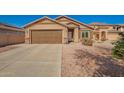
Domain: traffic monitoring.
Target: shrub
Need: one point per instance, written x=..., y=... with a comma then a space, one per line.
x=87, y=41
x=118, y=50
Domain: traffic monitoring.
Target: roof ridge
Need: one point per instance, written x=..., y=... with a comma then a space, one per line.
x=74, y=20
x=99, y=23
x=41, y=19
x=9, y=25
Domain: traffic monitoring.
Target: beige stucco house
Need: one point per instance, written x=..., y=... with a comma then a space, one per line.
x=64, y=30
x=103, y=32
x=61, y=30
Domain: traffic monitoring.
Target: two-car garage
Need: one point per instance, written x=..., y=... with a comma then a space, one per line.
x=45, y=31
x=46, y=36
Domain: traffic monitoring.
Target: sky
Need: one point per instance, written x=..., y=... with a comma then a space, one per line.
x=21, y=20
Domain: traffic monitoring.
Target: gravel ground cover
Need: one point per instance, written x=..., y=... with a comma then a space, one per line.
x=90, y=61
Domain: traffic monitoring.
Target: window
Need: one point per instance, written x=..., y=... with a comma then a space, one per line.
x=85, y=34
x=82, y=34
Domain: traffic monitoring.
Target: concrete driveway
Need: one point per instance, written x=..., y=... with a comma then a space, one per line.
x=32, y=60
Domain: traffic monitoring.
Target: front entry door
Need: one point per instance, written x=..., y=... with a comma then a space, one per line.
x=70, y=35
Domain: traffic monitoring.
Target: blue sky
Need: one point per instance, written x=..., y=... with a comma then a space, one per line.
x=21, y=20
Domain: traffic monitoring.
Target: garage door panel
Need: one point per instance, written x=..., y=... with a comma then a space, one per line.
x=47, y=37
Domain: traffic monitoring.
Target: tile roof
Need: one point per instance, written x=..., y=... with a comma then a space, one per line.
x=7, y=26
x=99, y=23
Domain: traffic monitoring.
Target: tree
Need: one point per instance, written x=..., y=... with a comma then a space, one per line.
x=118, y=50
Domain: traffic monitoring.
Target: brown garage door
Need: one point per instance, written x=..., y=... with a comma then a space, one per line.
x=46, y=37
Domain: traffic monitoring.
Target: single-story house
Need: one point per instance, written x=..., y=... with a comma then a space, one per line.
x=61, y=30
x=11, y=35
x=64, y=29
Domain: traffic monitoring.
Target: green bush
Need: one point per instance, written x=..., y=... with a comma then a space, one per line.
x=118, y=50
x=87, y=41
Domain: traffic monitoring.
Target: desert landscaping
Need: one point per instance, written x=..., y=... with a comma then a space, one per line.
x=93, y=61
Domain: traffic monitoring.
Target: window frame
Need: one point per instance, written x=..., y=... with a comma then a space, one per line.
x=85, y=34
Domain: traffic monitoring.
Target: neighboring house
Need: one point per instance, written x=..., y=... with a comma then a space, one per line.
x=11, y=35
x=121, y=27
x=61, y=30
x=106, y=31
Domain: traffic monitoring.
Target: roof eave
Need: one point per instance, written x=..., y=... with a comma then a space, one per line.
x=75, y=21
x=41, y=19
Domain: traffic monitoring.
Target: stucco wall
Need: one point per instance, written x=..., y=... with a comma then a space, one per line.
x=45, y=25
x=8, y=37
x=77, y=32
x=112, y=36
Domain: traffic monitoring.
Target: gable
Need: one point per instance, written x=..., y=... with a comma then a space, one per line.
x=44, y=20
x=65, y=20
x=71, y=25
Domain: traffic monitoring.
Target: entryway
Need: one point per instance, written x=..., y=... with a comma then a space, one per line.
x=103, y=35
x=70, y=35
